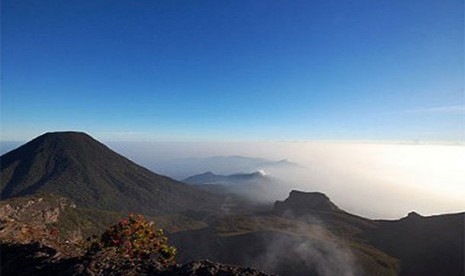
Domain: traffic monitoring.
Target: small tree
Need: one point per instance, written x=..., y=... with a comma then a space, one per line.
x=138, y=239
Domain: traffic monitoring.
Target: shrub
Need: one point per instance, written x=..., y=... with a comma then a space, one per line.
x=137, y=238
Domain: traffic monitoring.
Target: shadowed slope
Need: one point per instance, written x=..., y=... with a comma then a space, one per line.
x=432, y=245
x=75, y=165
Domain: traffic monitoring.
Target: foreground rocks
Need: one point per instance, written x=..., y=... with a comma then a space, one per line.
x=37, y=259
x=32, y=220
x=30, y=244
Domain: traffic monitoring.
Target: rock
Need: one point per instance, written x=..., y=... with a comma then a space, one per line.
x=28, y=220
x=302, y=203
x=37, y=259
x=30, y=259
x=207, y=268
x=34, y=210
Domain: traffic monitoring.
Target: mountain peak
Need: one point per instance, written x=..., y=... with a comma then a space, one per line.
x=413, y=216
x=301, y=203
x=75, y=165
x=56, y=141
x=209, y=173
x=64, y=135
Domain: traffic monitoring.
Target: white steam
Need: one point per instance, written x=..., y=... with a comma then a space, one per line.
x=307, y=249
x=262, y=172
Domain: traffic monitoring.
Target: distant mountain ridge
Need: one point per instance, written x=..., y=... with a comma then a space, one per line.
x=256, y=186
x=75, y=165
x=222, y=165
x=211, y=178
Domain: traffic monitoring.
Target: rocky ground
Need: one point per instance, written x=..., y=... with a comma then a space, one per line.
x=31, y=245
x=37, y=259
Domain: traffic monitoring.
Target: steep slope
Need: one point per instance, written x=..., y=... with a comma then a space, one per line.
x=431, y=245
x=78, y=167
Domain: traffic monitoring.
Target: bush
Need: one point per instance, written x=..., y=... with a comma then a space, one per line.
x=137, y=238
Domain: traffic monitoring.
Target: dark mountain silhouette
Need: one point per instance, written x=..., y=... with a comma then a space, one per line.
x=78, y=167
x=301, y=203
x=432, y=245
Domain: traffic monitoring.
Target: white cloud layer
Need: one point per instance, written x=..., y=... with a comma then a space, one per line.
x=370, y=179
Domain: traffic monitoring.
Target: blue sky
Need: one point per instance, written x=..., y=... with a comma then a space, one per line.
x=234, y=70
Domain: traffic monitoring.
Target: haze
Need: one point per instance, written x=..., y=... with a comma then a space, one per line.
x=371, y=179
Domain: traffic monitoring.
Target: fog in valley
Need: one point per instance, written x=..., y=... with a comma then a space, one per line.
x=370, y=179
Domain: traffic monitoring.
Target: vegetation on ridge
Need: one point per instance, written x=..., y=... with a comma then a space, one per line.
x=136, y=238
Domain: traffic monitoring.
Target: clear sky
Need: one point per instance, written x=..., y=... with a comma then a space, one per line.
x=231, y=69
